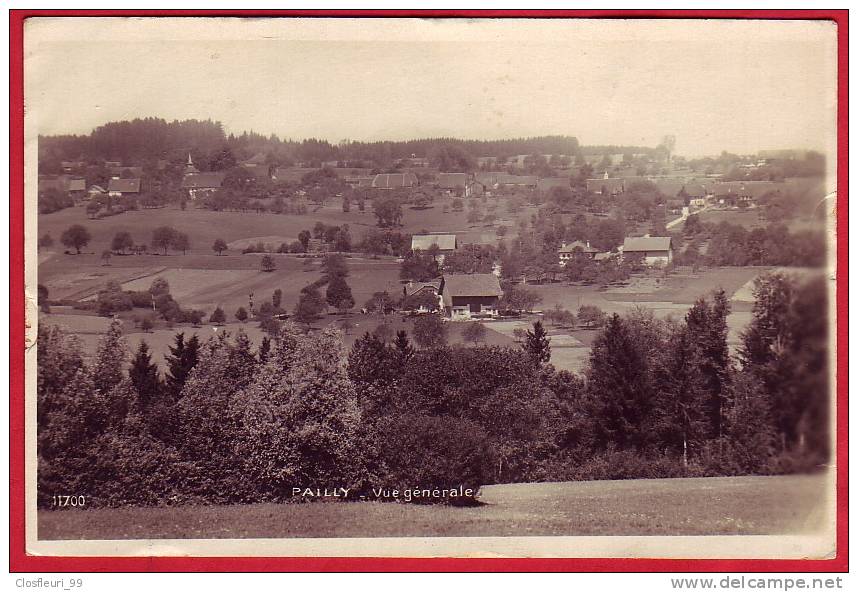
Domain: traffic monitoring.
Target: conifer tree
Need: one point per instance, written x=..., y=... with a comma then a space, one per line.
x=264, y=350
x=537, y=344
x=144, y=376
x=681, y=395
x=110, y=356
x=619, y=385
x=707, y=325
x=182, y=359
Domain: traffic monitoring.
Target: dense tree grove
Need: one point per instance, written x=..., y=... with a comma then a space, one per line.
x=227, y=424
x=147, y=140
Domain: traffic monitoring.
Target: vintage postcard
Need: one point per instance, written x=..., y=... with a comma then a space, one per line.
x=431, y=287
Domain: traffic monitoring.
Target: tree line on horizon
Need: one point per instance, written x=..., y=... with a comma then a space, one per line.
x=146, y=140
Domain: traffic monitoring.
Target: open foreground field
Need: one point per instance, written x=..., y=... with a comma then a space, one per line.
x=707, y=506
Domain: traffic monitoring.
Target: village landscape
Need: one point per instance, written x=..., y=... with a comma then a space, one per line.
x=489, y=313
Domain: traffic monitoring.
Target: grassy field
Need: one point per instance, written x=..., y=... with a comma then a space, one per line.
x=710, y=506
x=202, y=280
x=89, y=330
x=204, y=226
x=753, y=218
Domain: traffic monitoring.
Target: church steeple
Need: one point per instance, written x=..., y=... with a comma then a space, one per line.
x=190, y=169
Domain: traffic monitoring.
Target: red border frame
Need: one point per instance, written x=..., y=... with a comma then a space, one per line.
x=20, y=561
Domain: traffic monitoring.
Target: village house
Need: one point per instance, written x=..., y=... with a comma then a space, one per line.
x=675, y=206
x=453, y=183
x=356, y=182
x=568, y=250
x=257, y=166
x=388, y=181
x=77, y=189
x=654, y=251
x=446, y=244
x=743, y=192
x=697, y=194
x=95, y=191
x=120, y=187
x=412, y=289
x=70, y=166
x=199, y=185
x=606, y=186
x=465, y=296
x=499, y=180
x=476, y=189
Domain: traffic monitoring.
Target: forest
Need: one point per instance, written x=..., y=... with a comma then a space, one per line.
x=142, y=141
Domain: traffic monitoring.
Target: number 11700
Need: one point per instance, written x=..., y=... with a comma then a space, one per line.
x=66, y=501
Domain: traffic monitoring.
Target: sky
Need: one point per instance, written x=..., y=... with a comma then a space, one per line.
x=715, y=85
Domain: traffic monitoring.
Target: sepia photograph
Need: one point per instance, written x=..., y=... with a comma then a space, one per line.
x=431, y=287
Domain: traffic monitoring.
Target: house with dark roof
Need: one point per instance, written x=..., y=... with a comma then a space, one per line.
x=387, y=181
x=199, y=185
x=120, y=187
x=654, y=251
x=569, y=250
x=257, y=169
x=453, y=183
x=466, y=296
x=76, y=188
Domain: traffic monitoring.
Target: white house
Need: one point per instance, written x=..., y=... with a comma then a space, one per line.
x=568, y=250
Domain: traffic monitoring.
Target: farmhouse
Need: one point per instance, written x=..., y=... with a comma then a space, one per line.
x=465, y=296
x=568, y=250
x=446, y=244
x=388, y=181
x=653, y=250
x=452, y=182
x=77, y=188
x=610, y=186
x=736, y=192
x=120, y=187
x=413, y=289
x=201, y=184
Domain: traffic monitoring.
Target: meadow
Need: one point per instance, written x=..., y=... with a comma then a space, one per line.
x=700, y=506
x=202, y=280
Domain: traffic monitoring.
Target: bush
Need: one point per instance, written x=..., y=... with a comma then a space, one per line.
x=424, y=451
